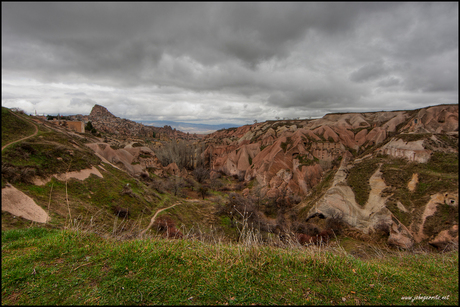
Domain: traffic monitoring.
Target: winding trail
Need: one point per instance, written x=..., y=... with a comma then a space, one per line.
x=153, y=219
x=34, y=134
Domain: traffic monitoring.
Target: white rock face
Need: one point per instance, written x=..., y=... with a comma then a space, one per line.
x=412, y=151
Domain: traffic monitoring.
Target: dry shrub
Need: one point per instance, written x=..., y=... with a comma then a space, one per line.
x=120, y=212
x=145, y=176
x=200, y=174
x=158, y=185
x=311, y=230
x=18, y=174
x=335, y=224
x=321, y=238
x=127, y=191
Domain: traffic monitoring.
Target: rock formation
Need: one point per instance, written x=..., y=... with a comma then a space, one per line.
x=105, y=121
x=292, y=156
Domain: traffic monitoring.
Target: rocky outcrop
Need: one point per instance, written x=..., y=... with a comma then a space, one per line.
x=105, y=121
x=436, y=119
x=339, y=201
x=412, y=151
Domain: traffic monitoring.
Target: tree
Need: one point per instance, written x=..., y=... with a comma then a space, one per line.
x=184, y=154
x=176, y=185
x=89, y=127
x=203, y=190
x=200, y=174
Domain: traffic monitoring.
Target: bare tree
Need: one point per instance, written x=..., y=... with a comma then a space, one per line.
x=184, y=154
x=200, y=174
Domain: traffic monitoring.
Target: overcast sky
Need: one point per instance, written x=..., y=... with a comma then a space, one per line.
x=228, y=62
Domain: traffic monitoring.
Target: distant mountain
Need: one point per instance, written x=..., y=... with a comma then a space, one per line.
x=188, y=127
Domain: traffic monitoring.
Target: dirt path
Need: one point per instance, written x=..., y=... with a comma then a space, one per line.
x=34, y=134
x=153, y=219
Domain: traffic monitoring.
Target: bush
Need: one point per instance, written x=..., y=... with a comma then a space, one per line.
x=89, y=128
x=335, y=224
x=203, y=190
x=15, y=174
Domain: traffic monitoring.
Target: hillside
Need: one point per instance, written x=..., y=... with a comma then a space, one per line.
x=391, y=171
x=380, y=177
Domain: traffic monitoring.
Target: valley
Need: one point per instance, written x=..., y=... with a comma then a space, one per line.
x=362, y=184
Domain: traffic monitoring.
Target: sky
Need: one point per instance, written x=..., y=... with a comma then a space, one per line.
x=214, y=63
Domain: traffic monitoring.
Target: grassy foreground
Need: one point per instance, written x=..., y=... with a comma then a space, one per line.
x=55, y=267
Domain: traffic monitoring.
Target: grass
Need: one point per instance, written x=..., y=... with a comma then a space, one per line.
x=13, y=127
x=438, y=175
x=358, y=179
x=51, y=267
x=412, y=137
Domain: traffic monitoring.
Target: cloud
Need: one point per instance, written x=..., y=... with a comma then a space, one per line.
x=368, y=72
x=207, y=61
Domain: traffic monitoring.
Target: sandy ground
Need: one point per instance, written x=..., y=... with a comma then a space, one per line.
x=19, y=204
x=413, y=183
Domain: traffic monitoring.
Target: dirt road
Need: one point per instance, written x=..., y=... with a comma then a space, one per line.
x=153, y=219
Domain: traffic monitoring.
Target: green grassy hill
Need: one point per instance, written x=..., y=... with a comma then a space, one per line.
x=92, y=202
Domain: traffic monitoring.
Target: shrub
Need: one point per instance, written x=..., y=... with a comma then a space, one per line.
x=335, y=224
x=203, y=190
x=120, y=212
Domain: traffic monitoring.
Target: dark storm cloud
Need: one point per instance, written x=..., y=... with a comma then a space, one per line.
x=272, y=57
x=368, y=72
